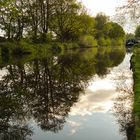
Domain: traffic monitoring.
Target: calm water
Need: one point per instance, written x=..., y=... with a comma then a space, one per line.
x=78, y=95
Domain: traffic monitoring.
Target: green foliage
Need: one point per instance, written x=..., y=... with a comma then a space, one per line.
x=101, y=41
x=117, y=42
x=64, y=21
x=88, y=41
x=101, y=20
x=135, y=64
x=108, y=33
x=137, y=32
x=70, y=45
x=137, y=45
x=104, y=42
x=130, y=36
x=108, y=42
x=20, y=51
x=115, y=31
x=87, y=24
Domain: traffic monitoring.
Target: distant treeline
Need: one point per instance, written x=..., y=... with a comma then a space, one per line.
x=60, y=20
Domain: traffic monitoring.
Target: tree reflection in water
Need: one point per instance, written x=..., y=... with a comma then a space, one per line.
x=14, y=132
x=45, y=89
x=123, y=106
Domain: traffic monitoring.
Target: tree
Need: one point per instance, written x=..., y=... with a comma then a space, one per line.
x=129, y=14
x=13, y=17
x=87, y=24
x=40, y=13
x=64, y=20
x=101, y=21
x=108, y=33
x=137, y=32
x=67, y=20
x=130, y=36
x=7, y=17
x=115, y=30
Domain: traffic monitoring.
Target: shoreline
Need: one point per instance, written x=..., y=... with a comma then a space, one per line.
x=135, y=66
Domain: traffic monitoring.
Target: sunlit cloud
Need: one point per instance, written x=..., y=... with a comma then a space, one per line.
x=94, y=101
x=99, y=83
x=74, y=127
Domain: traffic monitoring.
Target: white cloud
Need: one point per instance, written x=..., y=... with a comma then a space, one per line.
x=74, y=127
x=106, y=6
x=94, y=101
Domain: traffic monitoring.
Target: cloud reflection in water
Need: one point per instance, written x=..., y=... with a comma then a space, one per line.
x=98, y=98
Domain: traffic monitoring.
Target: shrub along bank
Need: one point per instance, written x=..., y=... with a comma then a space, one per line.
x=135, y=64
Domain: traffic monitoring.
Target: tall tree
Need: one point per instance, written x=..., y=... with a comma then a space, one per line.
x=129, y=13
x=64, y=21
x=13, y=17
x=101, y=20
x=7, y=17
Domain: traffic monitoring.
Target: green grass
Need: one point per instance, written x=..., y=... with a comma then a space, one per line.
x=136, y=74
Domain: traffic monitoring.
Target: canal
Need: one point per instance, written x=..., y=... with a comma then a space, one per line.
x=77, y=95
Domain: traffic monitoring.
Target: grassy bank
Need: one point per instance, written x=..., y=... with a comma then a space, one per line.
x=28, y=47
x=135, y=62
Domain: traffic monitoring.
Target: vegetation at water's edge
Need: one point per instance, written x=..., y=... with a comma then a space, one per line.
x=135, y=63
x=50, y=21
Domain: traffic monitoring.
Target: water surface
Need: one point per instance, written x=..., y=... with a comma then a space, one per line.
x=75, y=95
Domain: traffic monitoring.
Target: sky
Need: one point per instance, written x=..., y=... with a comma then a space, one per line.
x=106, y=6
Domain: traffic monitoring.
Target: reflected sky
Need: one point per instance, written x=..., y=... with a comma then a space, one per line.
x=98, y=126
x=2, y=73
x=91, y=117
x=101, y=91
x=98, y=101
x=67, y=99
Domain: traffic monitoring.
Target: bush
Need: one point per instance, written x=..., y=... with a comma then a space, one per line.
x=88, y=41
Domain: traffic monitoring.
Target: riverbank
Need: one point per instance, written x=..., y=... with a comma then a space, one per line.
x=24, y=47
x=27, y=47
x=135, y=63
